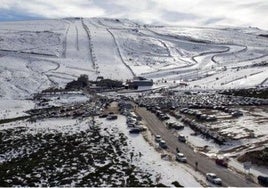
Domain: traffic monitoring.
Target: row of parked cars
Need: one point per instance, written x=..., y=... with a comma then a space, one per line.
x=157, y=111
x=134, y=123
x=109, y=116
x=174, y=125
x=199, y=115
x=161, y=142
x=201, y=128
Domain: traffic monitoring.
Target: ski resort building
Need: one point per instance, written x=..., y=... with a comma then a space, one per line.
x=139, y=82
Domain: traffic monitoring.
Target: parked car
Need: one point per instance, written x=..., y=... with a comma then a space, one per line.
x=178, y=127
x=263, y=180
x=163, y=144
x=180, y=157
x=131, y=125
x=103, y=115
x=165, y=117
x=157, y=138
x=213, y=178
x=174, y=125
x=181, y=138
x=134, y=131
x=142, y=128
x=111, y=117
x=222, y=162
x=237, y=113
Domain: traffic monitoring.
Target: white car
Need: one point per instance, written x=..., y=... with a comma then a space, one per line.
x=158, y=138
x=213, y=178
x=180, y=157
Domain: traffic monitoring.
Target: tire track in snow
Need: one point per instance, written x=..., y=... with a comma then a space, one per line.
x=65, y=39
x=64, y=74
x=78, y=45
x=77, y=42
x=119, y=53
x=216, y=53
x=226, y=53
x=90, y=45
x=193, y=58
x=167, y=48
x=53, y=69
x=169, y=51
x=242, y=77
x=71, y=41
x=173, y=56
x=204, y=54
x=31, y=60
x=263, y=82
x=81, y=69
x=61, y=77
x=16, y=53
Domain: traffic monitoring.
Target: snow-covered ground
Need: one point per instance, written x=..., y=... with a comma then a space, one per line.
x=149, y=161
x=65, y=98
x=54, y=52
x=14, y=108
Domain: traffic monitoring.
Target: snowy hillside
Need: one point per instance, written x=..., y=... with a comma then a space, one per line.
x=108, y=135
x=35, y=55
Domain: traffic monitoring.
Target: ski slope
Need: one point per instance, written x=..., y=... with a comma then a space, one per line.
x=35, y=55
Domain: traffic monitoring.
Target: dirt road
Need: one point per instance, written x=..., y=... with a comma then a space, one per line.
x=205, y=164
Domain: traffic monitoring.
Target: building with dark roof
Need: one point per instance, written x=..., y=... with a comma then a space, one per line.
x=139, y=82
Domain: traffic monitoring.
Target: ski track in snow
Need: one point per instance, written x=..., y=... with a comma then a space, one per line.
x=98, y=46
x=106, y=54
x=228, y=48
x=76, y=49
x=119, y=53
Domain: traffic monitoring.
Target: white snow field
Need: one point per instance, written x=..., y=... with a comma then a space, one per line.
x=35, y=55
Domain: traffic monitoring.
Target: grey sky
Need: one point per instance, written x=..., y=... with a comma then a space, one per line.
x=176, y=12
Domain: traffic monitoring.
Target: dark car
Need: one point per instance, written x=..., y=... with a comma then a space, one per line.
x=178, y=127
x=263, y=180
x=135, y=131
x=111, y=117
x=222, y=162
x=182, y=138
x=163, y=144
x=103, y=115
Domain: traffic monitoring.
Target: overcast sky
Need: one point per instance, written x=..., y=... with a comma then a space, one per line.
x=176, y=12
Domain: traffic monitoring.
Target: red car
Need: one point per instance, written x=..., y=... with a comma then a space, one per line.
x=222, y=162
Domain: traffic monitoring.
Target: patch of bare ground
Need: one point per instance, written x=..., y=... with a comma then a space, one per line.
x=258, y=157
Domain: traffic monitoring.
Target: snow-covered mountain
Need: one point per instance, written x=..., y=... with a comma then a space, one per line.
x=63, y=138
x=35, y=55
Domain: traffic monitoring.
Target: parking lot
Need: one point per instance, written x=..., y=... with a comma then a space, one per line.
x=205, y=165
